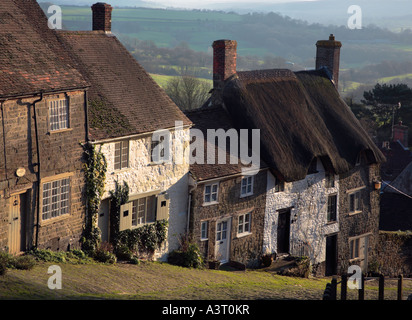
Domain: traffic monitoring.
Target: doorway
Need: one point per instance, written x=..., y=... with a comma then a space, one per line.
x=283, y=231
x=331, y=255
x=17, y=223
x=222, y=240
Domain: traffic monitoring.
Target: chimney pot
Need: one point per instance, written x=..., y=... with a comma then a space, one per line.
x=328, y=55
x=102, y=17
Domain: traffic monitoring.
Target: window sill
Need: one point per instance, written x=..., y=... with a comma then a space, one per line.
x=331, y=222
x=246, y=195
x=206, y=204
x=242, y=235
x=204, y=239
x=121, y=170
x=353, y=213
x=44, y=223
x=60, y=131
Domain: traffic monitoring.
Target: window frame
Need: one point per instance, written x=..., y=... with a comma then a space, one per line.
x=330, y=180
x=51, y=180
x=211, y=185
x=135, y=210
x=241, y=227
x=251, y=184
x=332, y=216
x=51, y=122
x=118, y=165
x=279, y=185
x=204, y=232
x=357, y=201
x=355, y=247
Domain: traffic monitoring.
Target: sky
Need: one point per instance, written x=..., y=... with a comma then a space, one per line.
x=200, y=3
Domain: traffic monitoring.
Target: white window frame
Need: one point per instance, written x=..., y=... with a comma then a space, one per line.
x=56, y=197
x=244, y=227
x=355, y=253
x=211, y=193
x=336, y=208
x=59, y=114
x=249, y=181
x=204, y=230
x=119, y=165
x=357, y=201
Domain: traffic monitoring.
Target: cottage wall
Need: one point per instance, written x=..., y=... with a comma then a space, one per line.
x=365, y=222
x=60, y=154
x=244, y=249
x=142, y=176
x=308, y=200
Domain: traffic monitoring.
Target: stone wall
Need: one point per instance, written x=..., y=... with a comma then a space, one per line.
x=245, y=249
x=365, y=222
x=307, y=199
x=142, y=176
x=60, y=153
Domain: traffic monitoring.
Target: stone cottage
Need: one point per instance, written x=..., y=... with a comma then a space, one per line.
x=43, y=119
x=320, y=197
x=129, y=115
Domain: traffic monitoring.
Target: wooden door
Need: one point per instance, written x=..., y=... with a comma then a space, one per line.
x=222, y=240
x=16, y=224
x=283, y=231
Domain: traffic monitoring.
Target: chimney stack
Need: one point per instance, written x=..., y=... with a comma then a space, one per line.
x=224, y=60
x=102, y=17
x=328, y=55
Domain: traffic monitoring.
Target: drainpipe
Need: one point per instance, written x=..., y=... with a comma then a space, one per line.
x=192, y=187
x=4, y=140
x=38, y=166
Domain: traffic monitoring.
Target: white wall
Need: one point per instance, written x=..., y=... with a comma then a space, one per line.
x=309, y=197
x=143, y=176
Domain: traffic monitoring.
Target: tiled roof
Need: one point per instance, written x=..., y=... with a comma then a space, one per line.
x=31, y=57
x=124, y=99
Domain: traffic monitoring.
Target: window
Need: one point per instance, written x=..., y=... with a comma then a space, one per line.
x=144, y=210
x=313, y=166
x=244, y=224
x=247, y=186
x=279, y=186
x=358, y=159
x=332, y=208
x=355, y=202
x=56, y=198
x=204, y=230
x=121, y=155
x=330, y=180
x=358, y=247
x=58, y=114
x=160, y=153
x=211, y=191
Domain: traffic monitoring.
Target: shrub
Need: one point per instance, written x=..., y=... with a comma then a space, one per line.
x=124, y=253
x=188, y=255
x=48, y=255
x=25, y=262
x=4, y=261
x=134, y=260
x=104, y=253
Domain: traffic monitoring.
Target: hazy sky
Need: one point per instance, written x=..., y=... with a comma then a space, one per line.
x=199, y=3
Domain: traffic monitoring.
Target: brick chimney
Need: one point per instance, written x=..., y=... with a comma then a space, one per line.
x=224, y=60
x=328, y=55
x=400, y=132
x=102, y=17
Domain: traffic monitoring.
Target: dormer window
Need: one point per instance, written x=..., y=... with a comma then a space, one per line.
x=358, y=159
x=313, y=166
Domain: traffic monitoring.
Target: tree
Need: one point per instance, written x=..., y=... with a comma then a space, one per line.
x=188, y=92
x=385, y=99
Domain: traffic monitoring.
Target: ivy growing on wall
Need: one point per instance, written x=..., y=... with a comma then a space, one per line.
x=95, y=167
x=146, y=239
x=119, y=196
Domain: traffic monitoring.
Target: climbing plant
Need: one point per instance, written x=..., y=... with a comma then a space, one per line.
x=119, y=196
x=95, y=167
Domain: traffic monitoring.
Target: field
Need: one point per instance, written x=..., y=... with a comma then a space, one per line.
x=166, y=28
x=162, y=281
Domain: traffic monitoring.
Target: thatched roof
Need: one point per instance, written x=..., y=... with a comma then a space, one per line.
x=300, y=116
